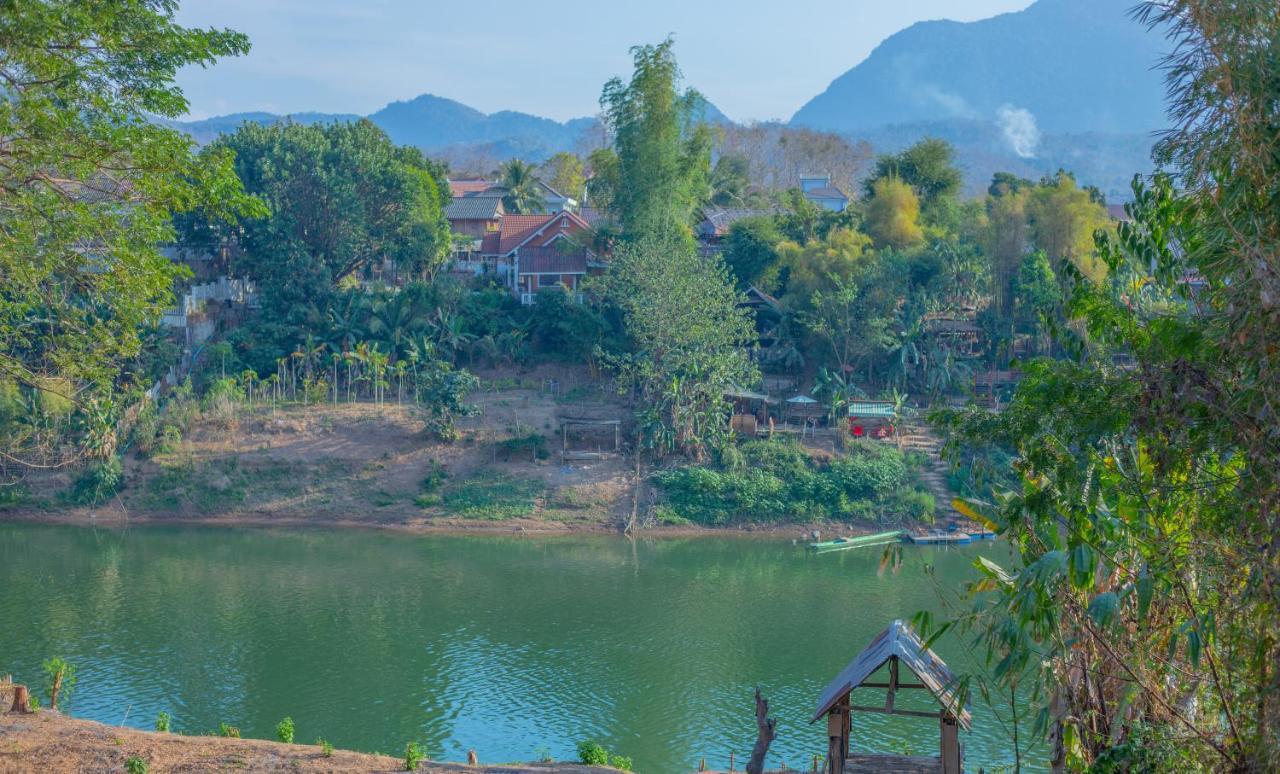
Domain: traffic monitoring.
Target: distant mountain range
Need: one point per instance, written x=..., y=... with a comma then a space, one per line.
x=1072, y=65
x=436, y=124
x=1064, y=83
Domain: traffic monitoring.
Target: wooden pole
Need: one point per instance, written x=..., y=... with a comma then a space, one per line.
x=472, y=760
x=731, y=760
x=950, y=744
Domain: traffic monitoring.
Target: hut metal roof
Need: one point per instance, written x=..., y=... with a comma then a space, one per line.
x=897, y=640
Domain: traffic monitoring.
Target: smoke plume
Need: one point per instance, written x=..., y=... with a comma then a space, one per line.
x=1019, y=128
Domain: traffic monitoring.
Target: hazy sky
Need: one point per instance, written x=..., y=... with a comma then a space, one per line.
x=754, y=59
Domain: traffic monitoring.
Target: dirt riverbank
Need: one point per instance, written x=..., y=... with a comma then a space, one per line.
x=50, y=742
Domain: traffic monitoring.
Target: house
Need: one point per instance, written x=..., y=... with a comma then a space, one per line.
x=474, y=215
x=539, y=252
x=819, y=190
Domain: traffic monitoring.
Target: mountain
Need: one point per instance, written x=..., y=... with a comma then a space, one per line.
x=436, y=124
x=1059, y=66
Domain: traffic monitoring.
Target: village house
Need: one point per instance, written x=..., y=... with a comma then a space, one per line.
x=532, y=253
x=819, y=190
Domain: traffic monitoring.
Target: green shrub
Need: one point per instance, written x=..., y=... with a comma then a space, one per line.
x=162, y=722
x=326, y=749
x=412, y=756
x=776, y=480
x=592, y=753
x=98, y=482
x=532, y=446
x=231, y=732
x=435, y=477
x=60, y=682
x=136, y=764
x=916, y=505
x=284, y=730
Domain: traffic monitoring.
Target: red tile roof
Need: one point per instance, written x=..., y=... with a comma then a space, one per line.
x=552, y=260
x=534, y=231
x=461, y=188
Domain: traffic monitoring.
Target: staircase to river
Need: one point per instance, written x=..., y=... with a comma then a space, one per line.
x=917, y=436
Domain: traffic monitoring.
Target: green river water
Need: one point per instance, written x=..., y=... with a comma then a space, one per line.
x=514, y=646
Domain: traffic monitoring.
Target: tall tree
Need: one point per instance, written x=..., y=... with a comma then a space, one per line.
x=524, y=195
x=88, y=181
x=928, y=167
x=664, y=156
x=893, y=214
x=689, y=338
x=564, y=172
x=342, y=198
x=1063, y=219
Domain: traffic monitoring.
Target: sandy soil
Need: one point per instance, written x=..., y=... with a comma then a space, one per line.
x=50, y=742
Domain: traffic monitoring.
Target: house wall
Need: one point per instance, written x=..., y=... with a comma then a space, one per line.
x=475, y=228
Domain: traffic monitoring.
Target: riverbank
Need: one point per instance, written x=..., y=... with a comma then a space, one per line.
x=371, y=466
x=49, y=741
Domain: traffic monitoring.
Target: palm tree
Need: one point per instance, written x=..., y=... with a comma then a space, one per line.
x=524, y=193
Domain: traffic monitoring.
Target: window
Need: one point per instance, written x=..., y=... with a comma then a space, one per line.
x=548, y=280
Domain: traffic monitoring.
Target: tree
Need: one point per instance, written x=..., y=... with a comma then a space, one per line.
x=928, y=167
x=731, y=182
x=751, y=250
x=1063, y=219
x=602, y=186
x=893, y=214
x=1037, y=295
x=817, y=264
x=342, y=199
x=663, y=155
x=1005, y=242
x=563, y=172
x=88, y=182
x=688, y=342
x=524, y=195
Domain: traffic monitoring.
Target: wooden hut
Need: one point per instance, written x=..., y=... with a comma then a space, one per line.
x=896, y=646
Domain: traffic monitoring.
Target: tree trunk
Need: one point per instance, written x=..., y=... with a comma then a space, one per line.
x=766, y=731
x=21, y=702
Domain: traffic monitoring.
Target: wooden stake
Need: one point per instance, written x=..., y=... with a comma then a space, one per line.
x=472, y=760
x=731, y=761
x=21, y=702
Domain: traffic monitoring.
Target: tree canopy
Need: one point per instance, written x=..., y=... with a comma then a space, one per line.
x=663, y=154
x=88, y=182
x=341, y=198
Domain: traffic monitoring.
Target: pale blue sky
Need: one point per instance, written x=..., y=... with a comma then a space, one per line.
x=755, y=59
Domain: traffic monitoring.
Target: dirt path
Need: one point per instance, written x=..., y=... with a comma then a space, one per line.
x=50, y=742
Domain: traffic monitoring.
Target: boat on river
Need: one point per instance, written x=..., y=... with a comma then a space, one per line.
x=859, y=541
x=938, y=537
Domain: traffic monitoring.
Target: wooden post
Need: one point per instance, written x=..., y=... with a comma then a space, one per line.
x=731, y=760
x=472, y=760
x=950, y=744
x=838, y=726
x=893, y=685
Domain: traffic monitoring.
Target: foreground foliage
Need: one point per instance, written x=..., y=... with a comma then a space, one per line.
x=1145, y=497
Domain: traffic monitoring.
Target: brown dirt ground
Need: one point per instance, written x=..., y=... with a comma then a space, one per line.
x=49, y=742
x=363, y=465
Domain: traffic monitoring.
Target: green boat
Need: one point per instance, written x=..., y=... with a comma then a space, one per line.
x=861, y=541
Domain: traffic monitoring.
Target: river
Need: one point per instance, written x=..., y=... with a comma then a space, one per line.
x=516, y=647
